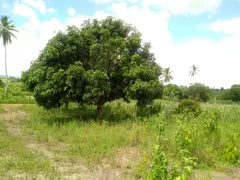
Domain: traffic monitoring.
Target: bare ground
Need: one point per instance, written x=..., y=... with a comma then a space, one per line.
x=227, y=174
x=119, y=168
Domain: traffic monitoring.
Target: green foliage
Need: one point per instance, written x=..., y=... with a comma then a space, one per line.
x=100, y=62
x=119, y=110
x=187, y=106
x=172, y=92
x=183, y=136
x=183, y=168
x=16, y=93
x=149, y=110
x=233, y=93
x=231, y=151
x=159, y=167
x=1, y=83
x=211, y=124
x=198, y=92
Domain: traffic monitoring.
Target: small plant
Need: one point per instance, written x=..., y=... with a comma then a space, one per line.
x=183, y=136
x=187, y=106
x=182, y=169
x=211, y=124
x=159, y=167
x=231, y=151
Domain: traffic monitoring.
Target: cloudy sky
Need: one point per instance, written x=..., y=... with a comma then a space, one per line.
x=205, y=33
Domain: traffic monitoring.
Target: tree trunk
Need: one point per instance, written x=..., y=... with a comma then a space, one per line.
x=6, y=88
x=99, y=111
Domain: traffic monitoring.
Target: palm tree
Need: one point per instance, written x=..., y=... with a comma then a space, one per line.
x=167, y=77
x=6, y=33
x=193, y=71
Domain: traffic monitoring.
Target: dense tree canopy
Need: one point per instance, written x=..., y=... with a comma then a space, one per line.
x=197, y=91
x=102, y=61
x=233, y=93
x=172, y=92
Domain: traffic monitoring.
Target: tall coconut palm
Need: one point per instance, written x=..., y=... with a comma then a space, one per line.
x=167, y=77
x=193, y=71
x=6, y=33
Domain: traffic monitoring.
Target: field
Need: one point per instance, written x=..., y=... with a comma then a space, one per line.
x=127, y=144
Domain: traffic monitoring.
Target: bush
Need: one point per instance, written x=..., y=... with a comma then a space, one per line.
x=198, y=92
x=172, y=92
x=233, y=93
x=187, y=106
x=149, y=110
x=1, y=83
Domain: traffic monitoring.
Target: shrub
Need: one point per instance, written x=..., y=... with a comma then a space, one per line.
x=172, y=92
x=159, y=167
x=198, y=92
x=187, y=106
x=149, y=110
x=1, y=83
x=231, y=151
x=233, y=93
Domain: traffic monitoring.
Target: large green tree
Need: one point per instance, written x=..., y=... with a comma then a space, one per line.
x=7, y=30
x=102, y=61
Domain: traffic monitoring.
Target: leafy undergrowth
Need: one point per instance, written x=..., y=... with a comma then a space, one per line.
x=208, y=141
x=16, y=161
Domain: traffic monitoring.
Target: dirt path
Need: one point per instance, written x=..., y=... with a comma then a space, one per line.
x=228, y=174
x=66, y=169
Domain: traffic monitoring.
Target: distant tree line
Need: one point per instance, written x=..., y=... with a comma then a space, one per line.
x=201, y=93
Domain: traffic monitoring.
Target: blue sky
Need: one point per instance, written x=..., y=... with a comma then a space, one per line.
x=205, y=33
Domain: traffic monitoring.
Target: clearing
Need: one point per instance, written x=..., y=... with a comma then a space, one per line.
x=23, y=156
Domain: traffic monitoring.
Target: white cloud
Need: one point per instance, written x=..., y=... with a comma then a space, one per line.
x=111, y=1
x=103, y=1
x=71, y=11
x=227, y=26
x=38, y=4
x=23, y=10
x=185, y=6
x=51, y=10
x=218, y=61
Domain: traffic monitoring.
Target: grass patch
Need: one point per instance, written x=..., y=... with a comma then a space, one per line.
x=93, y=141
x=90, y=139
x=16, y=160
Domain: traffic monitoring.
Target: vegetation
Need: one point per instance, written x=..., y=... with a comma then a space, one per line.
x=148, y=131
x=6, y=33
x=182, y=142
x=172, y=92
x=193, y=71
x=233, y=93
x=103, y=61
x=167, y=77
x=198, y=92
x=16, y=92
